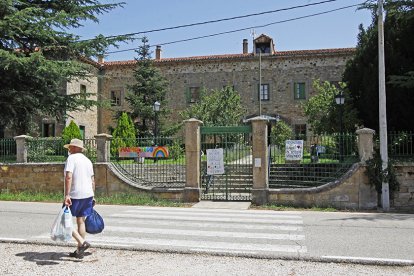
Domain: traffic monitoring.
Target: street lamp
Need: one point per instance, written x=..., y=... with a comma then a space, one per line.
x=340, y=100
x=156, y=109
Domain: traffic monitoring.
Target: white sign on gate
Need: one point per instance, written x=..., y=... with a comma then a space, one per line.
x=215, y=163
x=294, y=150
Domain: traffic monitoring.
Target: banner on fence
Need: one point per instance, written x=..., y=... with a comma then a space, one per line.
x=215, y=163
x=134, y=152
x=294, y=150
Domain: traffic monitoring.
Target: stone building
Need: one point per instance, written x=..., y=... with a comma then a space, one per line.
x=286, y=82
x=286, y=79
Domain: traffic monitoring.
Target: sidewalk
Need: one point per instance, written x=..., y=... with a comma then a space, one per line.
x=31, y=259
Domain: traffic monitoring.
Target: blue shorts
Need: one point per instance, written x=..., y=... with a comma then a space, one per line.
x=81, y=207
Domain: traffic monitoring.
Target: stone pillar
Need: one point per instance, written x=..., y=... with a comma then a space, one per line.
x=260, y=189
x=192, y=160
x=21, y=148
x=365, y=143
x=103, y=147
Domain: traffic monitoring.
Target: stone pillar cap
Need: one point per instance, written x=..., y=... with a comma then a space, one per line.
x=365, y=131
x=193, y=120
x=103, y=135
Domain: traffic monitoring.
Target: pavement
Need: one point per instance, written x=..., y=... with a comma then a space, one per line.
x=222, y=205
x=228, y=229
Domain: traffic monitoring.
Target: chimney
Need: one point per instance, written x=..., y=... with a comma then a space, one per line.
x=100, y=59
x=158, y=52
x=245, y=46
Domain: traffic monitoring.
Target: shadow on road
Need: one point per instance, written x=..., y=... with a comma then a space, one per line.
x=48, y=258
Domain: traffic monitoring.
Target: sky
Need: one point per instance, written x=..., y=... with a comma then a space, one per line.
x=337, y=29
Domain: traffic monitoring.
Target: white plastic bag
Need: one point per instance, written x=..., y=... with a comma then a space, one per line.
x=63, y=226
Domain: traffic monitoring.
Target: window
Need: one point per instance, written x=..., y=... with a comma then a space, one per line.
x=300, y=131
x=299, y=91
x=48, y=130
x=193, y=95
x=83, y=91
x=116, y=97
x=82, y=131
x=1, y=131
x=264, y=92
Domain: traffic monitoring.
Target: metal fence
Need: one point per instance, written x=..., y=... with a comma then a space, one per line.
x=146, y=163
x=400, y=145
x=7, y=150
x=51, y=149
x=324, y=159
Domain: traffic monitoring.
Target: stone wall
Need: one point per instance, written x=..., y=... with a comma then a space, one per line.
x=280, y=71
x=48, y=177
x=87, y=118
x=404, y=198
x=351, y=192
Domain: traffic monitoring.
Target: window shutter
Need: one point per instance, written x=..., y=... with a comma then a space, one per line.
x=187, y=95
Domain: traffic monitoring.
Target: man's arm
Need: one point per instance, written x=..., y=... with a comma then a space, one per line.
x=68, y=185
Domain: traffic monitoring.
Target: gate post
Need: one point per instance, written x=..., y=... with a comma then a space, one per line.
x=103, y=147
x=260, y=190
x=21, y=148
x=192, y=160
x=365, y=143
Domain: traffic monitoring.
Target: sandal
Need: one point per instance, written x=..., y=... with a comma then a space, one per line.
x=76, y=254
x=83, y=248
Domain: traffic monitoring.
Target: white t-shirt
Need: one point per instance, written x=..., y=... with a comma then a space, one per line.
x=82, y=171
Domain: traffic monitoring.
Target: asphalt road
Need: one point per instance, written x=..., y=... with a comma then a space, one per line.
x=367, y=238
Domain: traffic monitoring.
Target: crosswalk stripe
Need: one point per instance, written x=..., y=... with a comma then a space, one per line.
x=203, y=225
x=219, y=214
x=209, y=218
x=201, y=233
x=191, y=244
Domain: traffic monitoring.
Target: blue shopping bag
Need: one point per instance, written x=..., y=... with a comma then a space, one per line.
x=94, y=223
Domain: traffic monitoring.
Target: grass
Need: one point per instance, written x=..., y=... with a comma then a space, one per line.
x=291, y=208
x=118, y=199
x=135, y=199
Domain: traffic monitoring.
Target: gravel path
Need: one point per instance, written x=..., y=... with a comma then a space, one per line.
x=31, y=259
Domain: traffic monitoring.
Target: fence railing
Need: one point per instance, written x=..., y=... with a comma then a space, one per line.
x=149, y=164
x=335, y=148
x=400, y=145
x=325, y=158
x=7, y=150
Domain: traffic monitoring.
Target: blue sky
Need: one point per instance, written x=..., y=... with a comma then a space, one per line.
x=337, y=29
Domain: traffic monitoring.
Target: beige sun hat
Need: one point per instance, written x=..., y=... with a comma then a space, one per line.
x=75, y=143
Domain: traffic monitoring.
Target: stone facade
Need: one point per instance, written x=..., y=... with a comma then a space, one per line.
x=280, y=70
x=87, y=120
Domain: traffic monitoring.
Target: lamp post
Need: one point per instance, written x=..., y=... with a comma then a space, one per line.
x=156, y=108
x=340, y=100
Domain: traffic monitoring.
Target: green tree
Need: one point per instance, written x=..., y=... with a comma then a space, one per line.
x=39, y=54
x=324, y=114
x=70, y=132
x=150, y=86
x=279, y=133
x=361, y=74
x=217, y=108
x=123, y=135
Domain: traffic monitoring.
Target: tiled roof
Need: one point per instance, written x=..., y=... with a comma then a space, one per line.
x=237, y=56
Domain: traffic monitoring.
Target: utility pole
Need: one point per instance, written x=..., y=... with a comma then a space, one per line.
x=382, y=107
x=260, y=82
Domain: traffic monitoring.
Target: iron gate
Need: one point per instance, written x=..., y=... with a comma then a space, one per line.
x=237, y=181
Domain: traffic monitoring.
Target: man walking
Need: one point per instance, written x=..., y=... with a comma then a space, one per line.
x=79, y=192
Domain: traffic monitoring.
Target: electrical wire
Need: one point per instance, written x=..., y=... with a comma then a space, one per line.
x=238, y=30
x=224, y=19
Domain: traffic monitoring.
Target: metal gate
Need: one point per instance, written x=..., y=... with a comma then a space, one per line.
x=237, y=181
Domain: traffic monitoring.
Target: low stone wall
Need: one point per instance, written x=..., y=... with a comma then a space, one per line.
x=352, y=191
x=48, y=177
x=404, y=198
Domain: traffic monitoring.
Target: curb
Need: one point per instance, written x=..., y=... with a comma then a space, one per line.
x=322, y=259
